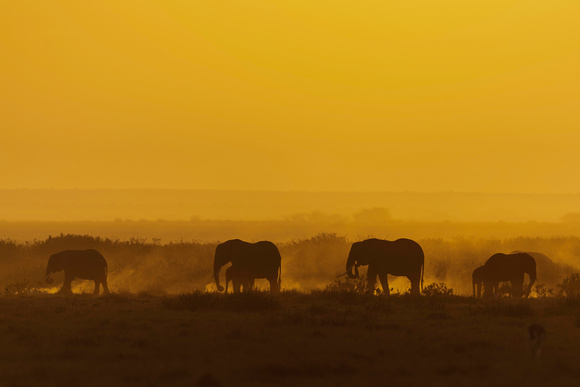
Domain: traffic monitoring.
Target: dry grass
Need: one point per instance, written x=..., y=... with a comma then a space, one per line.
x=309, y=339
x=161, y=327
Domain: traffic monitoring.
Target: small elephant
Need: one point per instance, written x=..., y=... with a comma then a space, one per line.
x=478, y=279
x=83, y=264
x=235, y=275
x=402, y=257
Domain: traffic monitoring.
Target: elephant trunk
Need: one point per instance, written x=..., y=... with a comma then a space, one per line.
x=473, y=284
x=216, y=276
x=532, y=281
x=49, y=280
x=350, y=265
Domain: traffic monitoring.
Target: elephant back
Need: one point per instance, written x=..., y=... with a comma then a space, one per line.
x=85, y=264
x=503, y=267
x=263, y=258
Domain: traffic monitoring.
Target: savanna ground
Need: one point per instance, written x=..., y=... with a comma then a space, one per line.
x=164, y=325
x=327, y=337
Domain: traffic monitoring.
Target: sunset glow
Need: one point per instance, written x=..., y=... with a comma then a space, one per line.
x=297, y=95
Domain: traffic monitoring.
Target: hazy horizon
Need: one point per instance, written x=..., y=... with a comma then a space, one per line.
x=256, y=205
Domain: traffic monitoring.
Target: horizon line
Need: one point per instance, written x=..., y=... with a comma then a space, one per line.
x=296, y=191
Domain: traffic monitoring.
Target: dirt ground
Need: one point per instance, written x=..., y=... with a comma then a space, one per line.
x=319, y=338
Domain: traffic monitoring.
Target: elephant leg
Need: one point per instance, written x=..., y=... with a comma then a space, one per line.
x=67, y=285
x=97, y=287
x=274, y=288
x=488, y=288
x=105, y=287
x=383, y=277
x=415, y=284
x=518, y=286
x=236, y=285
x=371, y=279
x=249, y=285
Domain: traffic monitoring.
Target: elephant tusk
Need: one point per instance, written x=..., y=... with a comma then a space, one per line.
x=346, y=272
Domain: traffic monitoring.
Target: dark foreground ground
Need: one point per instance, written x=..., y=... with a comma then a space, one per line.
x=295, y=339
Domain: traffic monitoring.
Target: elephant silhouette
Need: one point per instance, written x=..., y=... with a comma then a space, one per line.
x=508, y=267
x=238, y=280
x=478, y=279
x=402, y=257
x=250, y=261
x=552, y=273
x=83, y=264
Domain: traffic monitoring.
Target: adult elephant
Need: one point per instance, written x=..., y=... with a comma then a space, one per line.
x=509, y=267
x=83, y=264
x=249, y=260
x=402, y=257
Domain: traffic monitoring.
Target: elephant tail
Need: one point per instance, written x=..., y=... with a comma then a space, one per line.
x=422, y=275
x=279, y=276
x=106, y=270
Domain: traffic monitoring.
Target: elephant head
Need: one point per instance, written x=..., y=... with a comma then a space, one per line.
x=55, y=263
x=356, y=258
x=224, y=254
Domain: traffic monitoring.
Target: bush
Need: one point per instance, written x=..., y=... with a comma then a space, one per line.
x=348, y=285
x=20, y=288
x=437, y=290
x=541, y=291
x=570, y=286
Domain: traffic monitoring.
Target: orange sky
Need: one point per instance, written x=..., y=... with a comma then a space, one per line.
x=291, y=95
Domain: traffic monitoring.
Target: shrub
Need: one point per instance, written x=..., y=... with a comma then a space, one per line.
x=437, y=290
x=19, y=288
x=541, y=291
x=504, y=289
x=348, y=285
x=570, y=286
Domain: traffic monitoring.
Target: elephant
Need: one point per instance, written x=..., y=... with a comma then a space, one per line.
x=249, y=260
x=478, y=279
x=552, y=273
x=237, y=281
x=509, y=267
x=83, y=264
x=402, y=257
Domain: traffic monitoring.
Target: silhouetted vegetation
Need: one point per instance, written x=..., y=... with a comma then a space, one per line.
x=570, y=286
x=155, y=268
x=164, y=324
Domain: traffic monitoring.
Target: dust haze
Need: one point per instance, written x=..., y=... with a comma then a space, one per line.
x=163, y=241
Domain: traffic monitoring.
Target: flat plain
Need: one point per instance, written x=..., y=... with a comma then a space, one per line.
x=310, y=339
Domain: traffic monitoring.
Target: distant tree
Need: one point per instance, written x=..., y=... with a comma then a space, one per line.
x=571, y=217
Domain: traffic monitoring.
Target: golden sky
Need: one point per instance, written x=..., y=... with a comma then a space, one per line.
x=417, y=95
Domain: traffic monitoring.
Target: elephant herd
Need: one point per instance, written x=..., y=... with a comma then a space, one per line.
x=251, y=261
